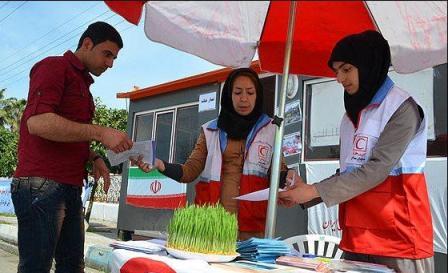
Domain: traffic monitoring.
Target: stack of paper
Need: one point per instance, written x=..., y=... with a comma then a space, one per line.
x=347, y=265
x=306, y=263
x=262, y=250
x=139, y=246
x=252, y=267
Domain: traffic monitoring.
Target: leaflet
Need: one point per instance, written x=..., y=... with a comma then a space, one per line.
x=260, y=195
x=140, y=148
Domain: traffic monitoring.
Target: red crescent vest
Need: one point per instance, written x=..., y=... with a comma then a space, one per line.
x=257, y=160
x=393, y=219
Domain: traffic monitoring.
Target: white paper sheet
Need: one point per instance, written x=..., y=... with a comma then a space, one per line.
x=139, y=246
x=260, y=195
x=144, y=148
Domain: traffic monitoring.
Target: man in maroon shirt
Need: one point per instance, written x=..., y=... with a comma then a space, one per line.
x=55, y=135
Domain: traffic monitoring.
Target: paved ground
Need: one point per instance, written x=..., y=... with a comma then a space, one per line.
x=9, y=263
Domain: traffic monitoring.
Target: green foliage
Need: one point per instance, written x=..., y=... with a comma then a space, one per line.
x=11, y=110
x=203, y=229
x=8, y=152
x=108, y=117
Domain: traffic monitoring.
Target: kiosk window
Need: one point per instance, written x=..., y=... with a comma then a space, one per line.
x=187, y=131
x=438, y=145
x=268, y=95
x=143, y=127
x=321, y=138
x=163, y=135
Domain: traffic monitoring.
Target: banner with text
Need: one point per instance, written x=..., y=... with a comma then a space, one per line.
x=6, y=205
x=322, y=220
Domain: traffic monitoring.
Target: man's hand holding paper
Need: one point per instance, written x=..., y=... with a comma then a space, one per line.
x=142, y=149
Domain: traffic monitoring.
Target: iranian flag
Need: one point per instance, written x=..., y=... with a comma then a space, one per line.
x=154, y=190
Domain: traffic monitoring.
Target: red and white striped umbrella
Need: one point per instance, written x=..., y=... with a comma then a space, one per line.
x=228, y=33
x=292, y=37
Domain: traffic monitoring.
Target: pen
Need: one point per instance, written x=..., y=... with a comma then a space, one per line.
x=307, y=255
x=291, y=181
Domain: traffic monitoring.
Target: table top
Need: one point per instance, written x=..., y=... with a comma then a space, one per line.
x=126, y=261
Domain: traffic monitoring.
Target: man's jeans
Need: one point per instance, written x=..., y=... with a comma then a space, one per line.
x=51, y=224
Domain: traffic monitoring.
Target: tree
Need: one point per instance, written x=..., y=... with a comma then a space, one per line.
x=2, y=105
x=11, y=110
x=108, y=117
x=8, y=152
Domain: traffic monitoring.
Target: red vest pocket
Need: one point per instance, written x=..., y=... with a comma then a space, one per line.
x=371, y=210
x=207, y=192
x=252, y=215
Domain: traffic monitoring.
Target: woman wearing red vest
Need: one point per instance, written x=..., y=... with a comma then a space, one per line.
x=381, y=190
x=233, y=154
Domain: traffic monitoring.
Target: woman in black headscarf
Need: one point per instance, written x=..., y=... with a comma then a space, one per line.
x=369, y=54
x=233, y=154
x=381, y=190
x=235, y=123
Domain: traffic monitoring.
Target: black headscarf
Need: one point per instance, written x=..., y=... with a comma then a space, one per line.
x=235, y=125
x=369, y=52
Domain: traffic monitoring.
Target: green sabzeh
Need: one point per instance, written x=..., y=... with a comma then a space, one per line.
x=203, y=229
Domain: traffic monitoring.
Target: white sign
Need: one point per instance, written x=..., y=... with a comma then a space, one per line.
x=207, y=102
x=322, y=220
x=436, y=177
x=6, y=205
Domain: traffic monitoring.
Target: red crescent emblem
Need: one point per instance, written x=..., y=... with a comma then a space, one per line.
x=263, y=150
x=360, y=143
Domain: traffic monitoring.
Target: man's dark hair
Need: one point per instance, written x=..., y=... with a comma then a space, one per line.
x=100, y=32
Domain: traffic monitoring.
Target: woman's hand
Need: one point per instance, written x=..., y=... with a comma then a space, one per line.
x=146, y=167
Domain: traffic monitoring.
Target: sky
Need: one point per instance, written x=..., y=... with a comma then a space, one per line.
x=33, y=30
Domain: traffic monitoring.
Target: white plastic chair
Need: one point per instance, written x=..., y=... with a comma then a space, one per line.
x=316, y=244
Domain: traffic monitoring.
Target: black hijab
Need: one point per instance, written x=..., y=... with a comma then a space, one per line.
x=369, y=52
x=235, y=125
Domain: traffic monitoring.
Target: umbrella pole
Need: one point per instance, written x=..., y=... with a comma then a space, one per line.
x=276, y=159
